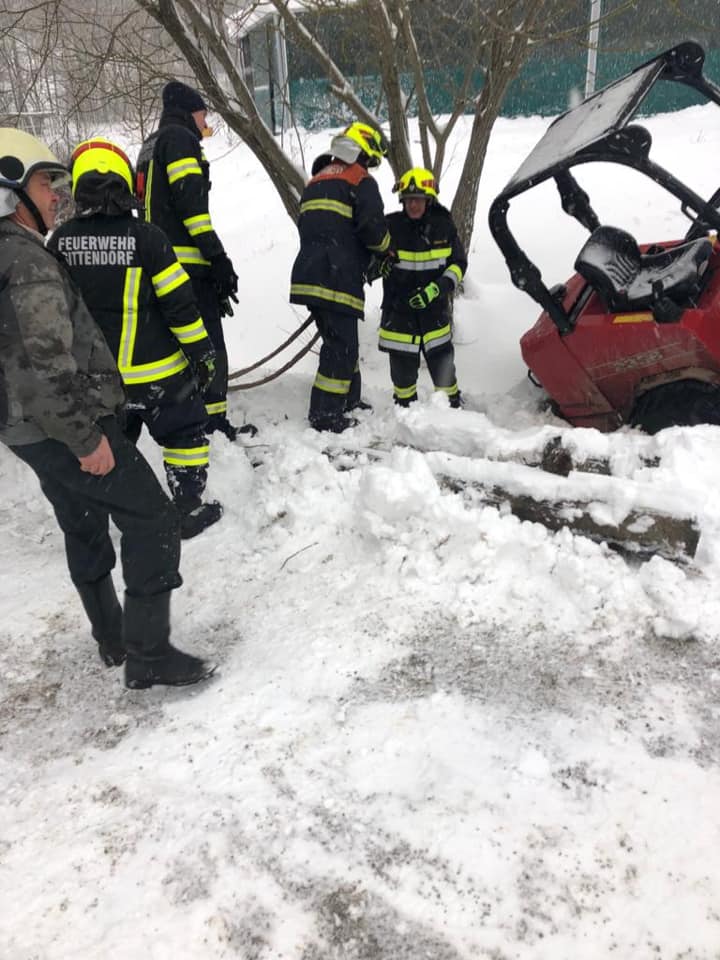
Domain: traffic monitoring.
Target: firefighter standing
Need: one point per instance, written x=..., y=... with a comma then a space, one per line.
x=173, y=181
x=59, y=392
x=341, y=225
x=416, y=307
x=142, y=300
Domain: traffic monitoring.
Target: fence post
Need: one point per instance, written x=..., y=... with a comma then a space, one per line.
x=593, y=39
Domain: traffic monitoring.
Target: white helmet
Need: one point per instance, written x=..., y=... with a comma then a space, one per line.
x=21, y=155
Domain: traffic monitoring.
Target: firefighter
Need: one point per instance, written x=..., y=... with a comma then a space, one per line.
x=418, y=290
x=341, y=225
x=173, y=182
x=59, y=393
x=142, y=300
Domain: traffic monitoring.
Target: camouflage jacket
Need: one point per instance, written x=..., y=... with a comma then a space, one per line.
x=57, y=374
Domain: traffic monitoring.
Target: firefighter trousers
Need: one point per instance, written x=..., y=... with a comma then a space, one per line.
x=215, y=395
x=404, y=367
x=130, y=494
x=337, y=385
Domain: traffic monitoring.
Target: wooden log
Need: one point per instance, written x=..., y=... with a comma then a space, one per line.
x=640, y=534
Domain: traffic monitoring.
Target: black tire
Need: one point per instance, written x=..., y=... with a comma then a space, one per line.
x=683, y=403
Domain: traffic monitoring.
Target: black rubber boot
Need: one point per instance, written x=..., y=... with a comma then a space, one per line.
x=151, y=658
x=105, y=615
x=193, y=522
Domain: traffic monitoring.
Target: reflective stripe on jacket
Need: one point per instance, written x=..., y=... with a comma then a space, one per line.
x=341, y=224
x=140, y=296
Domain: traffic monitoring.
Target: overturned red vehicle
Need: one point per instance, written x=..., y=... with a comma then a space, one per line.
x=633, y=337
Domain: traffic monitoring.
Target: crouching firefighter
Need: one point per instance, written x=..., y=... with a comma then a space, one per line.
x=59, y=393
x=341, y=225
x=142, y=300
x=418, y=289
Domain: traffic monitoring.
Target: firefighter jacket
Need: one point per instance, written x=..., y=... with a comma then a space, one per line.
x=142, y=300
x=427, y=249
x=173, y=181
x=57, y=375
x=341, y=224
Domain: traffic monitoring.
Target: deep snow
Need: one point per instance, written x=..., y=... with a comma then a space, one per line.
x=436, y=731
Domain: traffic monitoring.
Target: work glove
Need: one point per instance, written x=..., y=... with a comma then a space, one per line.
x=204, y=371
x=385, y=267
x=225, y=279
x=424, y=296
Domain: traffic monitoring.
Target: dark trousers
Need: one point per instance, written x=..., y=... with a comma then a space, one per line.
x=130, y=494
x=404, y=369
x=180, y=428
x=216, y=394
x=337, y=384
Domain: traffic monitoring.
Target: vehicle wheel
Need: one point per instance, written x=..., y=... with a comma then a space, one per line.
x=680, y=404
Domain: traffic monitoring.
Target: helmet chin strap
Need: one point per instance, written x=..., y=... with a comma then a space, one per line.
x=33, y=210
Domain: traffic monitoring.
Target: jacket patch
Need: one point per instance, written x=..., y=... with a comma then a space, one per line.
x=98, y=251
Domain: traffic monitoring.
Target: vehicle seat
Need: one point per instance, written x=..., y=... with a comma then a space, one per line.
x=612, y=264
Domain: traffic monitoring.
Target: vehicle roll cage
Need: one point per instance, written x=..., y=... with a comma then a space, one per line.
x=598, y=130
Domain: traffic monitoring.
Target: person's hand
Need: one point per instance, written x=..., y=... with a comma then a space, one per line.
x=424, y=296
x=101, y=461
x=224, y=277
x=386, y=265
x=204, y=370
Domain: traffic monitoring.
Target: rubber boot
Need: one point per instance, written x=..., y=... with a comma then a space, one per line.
x=151, y=658
x=105, y=615
x=193, y=522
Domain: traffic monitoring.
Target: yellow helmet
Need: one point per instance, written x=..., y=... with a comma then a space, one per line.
x=103, y=157
x=417, y=182
x=357, y=141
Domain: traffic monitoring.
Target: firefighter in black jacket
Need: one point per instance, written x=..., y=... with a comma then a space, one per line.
x=173, y=181
x=342, y=224
x=416, y=307
x=142, y=300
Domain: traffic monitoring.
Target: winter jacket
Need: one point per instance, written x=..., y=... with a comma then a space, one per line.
x=341, y=224
x=142, y=300
x=57, y=375
x=173, y=180
x=428, y=249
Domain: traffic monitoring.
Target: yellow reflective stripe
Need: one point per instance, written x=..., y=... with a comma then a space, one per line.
x=450, y=391
x=454, y=273
x=419, y=256
x=398, y=337
x=169, y=279
x=184, y=167
x=187, y=456
x=128, y=331
x=633, y=318
x=190, y=255
x=219, y=407
x=436, y=334
x=329, y=385
x=333, y=206
x=191, y=332
x=382, y=246
x=199, y=224
x=156, y=369
x=404, y=393
x=148, y=191
x=322, y=293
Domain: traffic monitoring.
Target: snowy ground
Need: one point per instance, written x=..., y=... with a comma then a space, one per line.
x=436, y=732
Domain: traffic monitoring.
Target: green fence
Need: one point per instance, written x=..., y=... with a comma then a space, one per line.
x=545, y=87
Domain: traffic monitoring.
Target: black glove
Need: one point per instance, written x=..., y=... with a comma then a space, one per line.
x=224, y=277
x=204, y=370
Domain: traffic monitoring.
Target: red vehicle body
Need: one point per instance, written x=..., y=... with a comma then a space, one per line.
x=596, y=375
